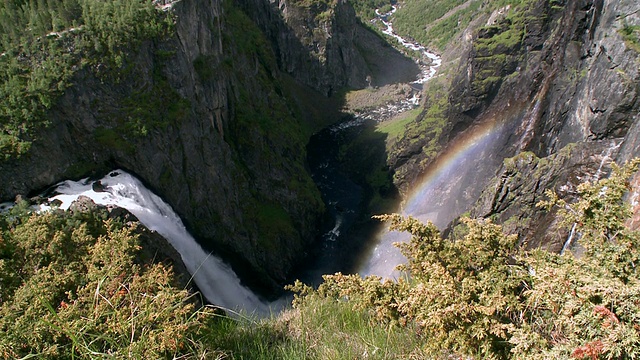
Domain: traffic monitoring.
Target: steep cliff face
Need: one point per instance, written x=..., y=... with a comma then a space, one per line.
x=587, y=113
x=323, y=45
x=565, y=73
x=205, y=118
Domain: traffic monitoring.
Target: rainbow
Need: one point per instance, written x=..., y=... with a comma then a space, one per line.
x=445, y=189
x=437, y=196
x=452, y=182
x=462, y=156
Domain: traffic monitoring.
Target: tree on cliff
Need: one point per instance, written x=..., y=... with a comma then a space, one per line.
x=44, y=42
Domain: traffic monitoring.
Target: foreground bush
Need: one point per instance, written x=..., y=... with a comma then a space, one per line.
x=484, y=298
x=71, y=286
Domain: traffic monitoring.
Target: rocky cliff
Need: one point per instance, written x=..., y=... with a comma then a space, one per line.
x=565, y=74
x=587, y=101
x=207, y=119
x=324, y=46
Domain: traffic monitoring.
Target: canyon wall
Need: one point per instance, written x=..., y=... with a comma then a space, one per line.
x=208, y=118
x=566, y=73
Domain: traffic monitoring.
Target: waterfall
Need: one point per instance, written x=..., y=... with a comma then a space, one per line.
x=216, y=280
x=567, y=243
x=606, y=155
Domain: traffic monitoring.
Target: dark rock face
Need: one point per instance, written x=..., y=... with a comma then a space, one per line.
x=587, y=114
x=511, y=197
x=204, y=118
x=569, y=79
x=324, y=46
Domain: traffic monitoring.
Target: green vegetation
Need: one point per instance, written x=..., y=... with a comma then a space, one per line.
x=434, y=23
x=395, y=127
x=322, y=328
x=480, y=296
x=366, y=9
x=43, y=43
x=314, y=3
x=429, y=125
x=323, y=9
x=414, y=17
x=77, y=286
x=631, y=36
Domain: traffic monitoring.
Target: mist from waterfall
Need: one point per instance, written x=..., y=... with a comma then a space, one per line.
x=448, y=187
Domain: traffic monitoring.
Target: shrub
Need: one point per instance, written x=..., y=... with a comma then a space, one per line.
x=71, y=285
x=483, y=297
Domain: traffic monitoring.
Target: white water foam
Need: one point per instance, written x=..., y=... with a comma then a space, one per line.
x=216, y=280
x=428, y=71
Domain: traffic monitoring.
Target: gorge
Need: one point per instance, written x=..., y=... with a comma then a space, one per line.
x=255, y=139
x=549, y=86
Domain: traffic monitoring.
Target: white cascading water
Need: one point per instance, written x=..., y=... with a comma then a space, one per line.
x=427, y=72
x=216, y=280
x=606, y=156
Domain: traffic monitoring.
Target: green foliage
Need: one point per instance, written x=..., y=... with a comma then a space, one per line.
x=480, y=296
x=415, y=16
x=366, y=9
x=631, y=36
x=600, y=213
x=445, y=29
x=428, y=126
x=44, y=42
x=71, y=285
x=320, y=329
x=461, y=296
x=434, y=23
x=395, y=127
x=244, y=338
